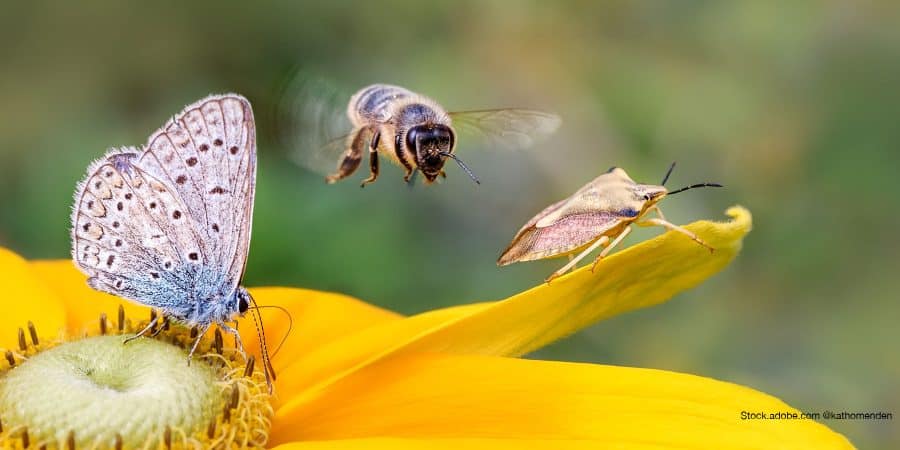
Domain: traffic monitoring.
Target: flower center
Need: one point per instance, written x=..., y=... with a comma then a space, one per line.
x=102, y=392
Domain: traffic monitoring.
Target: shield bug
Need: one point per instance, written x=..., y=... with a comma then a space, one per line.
x=600, y=214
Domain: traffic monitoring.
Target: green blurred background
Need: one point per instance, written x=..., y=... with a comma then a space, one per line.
x=793, y=105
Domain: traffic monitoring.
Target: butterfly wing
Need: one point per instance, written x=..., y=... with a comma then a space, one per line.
x=207, y=153
x=172, y=223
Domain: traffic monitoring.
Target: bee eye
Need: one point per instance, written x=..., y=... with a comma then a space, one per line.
x=411, y=137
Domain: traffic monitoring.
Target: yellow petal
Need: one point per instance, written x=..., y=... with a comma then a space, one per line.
x=26, y=298
x=454, y=444
x=643, y=275
x=449, y=397
x=318, y=318
x=82, y=303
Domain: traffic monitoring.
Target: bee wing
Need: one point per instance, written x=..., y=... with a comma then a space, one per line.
x=509, y=128
x=312, y=122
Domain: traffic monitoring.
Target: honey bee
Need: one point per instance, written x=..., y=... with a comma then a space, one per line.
x=418, y=134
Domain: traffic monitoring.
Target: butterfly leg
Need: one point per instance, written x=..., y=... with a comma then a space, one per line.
x=145, y=330
x=373, y=159
x=602, y=241
x=237, y=337
x=351, y=157
x=163, y=326
x=609, y=247
x=197, y=342
x=673, y=227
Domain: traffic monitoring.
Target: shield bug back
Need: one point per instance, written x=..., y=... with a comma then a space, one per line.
x=600, y=214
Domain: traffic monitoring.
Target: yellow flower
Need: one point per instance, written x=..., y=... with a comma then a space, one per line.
x=352, y=375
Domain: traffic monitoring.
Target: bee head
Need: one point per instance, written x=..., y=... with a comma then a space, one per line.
x=431, y=144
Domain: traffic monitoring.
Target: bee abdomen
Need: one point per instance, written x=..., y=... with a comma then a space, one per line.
x=373, y=102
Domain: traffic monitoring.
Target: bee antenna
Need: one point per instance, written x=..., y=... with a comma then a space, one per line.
x=462, y=165
x=268, y=370
x=668, y=172
x=695, y=186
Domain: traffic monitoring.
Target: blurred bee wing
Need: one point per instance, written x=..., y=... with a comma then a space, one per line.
x=509, y=128
x=312, y=122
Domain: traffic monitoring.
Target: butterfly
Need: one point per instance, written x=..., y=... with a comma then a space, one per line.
x=168, y=225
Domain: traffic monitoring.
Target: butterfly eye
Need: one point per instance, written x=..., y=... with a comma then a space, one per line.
x=243, y=305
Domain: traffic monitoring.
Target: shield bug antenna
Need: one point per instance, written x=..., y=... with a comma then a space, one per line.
x=693, y=186
x=668, y=172
x=600, y=214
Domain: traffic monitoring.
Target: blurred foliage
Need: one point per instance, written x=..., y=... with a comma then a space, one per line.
x=792, y=105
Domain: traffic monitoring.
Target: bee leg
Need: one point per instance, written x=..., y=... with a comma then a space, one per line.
x=603, y=240
x=350, y=159
x=373, y=159
x=673, y=227
x=443, y=174
x=609, y=247
x=410, y=176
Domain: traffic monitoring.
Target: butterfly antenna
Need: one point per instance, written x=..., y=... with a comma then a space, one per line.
x=668, y=172
x=268, y=370
x=695, y=186
x=290, y=324
x=462, y=165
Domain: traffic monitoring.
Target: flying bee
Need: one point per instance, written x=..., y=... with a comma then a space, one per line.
x=413, y=131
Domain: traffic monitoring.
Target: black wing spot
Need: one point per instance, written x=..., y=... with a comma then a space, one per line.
x=118, y=242
x=128, y=196
x=109, y=261
x=215, y=227
x=217, y=190
x=176, y=214
x=192, y=161
x=120, y=206
x=192, y=256
x=116, y=224
x=97, y=185
x=217, y=142
x=152, y=205
x=233, y=150
x=181, y=179
x=204, y=147
x=90, y=204
x=155, y=275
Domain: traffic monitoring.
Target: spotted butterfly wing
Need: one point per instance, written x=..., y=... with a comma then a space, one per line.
x=169, y=225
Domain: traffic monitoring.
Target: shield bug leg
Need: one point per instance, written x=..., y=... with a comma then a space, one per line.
x=609, y=247
x=659, y=213
x=599, y=242
x=373, y=159
x=673, y=227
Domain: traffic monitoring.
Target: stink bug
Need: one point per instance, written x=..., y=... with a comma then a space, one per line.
x=599, y=214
